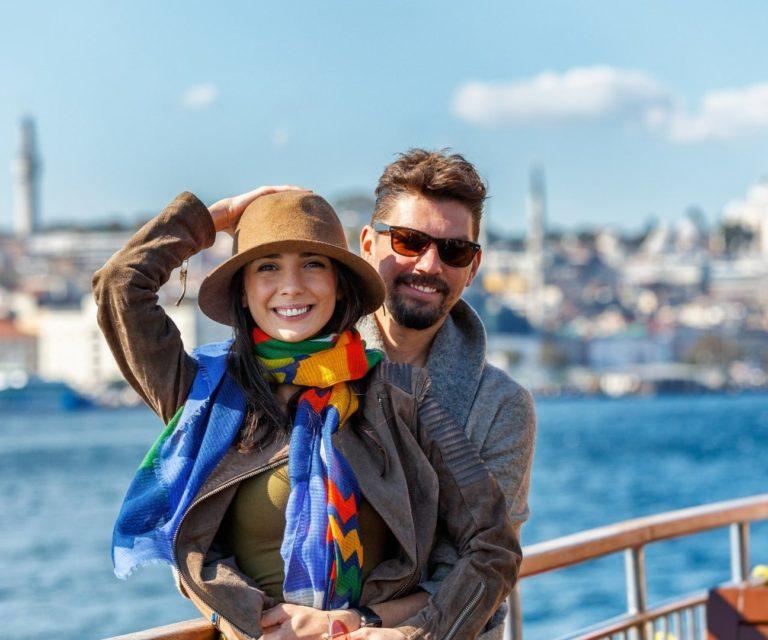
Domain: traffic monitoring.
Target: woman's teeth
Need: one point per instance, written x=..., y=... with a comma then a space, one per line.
x=288, y=313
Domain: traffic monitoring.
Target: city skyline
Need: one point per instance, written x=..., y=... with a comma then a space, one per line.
x=632, y=111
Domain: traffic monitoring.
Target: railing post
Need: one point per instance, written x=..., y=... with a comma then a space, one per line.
x=739, y=551
x=513, y=625
x=637, y=602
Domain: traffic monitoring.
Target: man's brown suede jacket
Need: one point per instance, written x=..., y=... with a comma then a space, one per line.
x=414, y=465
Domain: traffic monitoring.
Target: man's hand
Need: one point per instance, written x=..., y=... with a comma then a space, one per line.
x=295, y=622
x=226, y=212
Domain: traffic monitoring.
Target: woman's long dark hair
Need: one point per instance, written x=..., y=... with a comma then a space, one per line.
x=265, y=417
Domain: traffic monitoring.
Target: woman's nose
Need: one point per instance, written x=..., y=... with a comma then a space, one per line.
x=291, y=282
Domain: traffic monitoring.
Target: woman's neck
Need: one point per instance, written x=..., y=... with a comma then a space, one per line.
x=284, y=393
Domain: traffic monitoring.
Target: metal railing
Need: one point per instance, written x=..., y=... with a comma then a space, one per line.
x=684, y=618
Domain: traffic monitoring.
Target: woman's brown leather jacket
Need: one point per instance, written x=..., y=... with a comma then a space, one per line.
x=413, y=464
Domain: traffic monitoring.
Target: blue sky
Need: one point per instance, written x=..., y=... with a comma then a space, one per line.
x=634, y=109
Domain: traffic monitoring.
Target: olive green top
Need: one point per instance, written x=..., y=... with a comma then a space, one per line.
x=255, y=523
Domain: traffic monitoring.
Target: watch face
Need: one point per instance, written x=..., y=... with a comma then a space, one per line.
x=368, y=617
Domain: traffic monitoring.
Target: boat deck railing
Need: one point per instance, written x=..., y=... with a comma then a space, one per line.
x=684, y=618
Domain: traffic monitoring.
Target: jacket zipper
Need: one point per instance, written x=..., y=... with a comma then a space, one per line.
x=408, y=584
x=413, y=575
x=466, y=610
x=183, y=577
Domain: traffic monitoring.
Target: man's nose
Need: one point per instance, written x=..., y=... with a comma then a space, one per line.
x=429, y=261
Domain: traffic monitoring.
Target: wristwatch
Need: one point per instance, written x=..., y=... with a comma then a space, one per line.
x=368, y=617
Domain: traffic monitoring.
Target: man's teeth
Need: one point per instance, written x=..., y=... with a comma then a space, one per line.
x=292, y=312
x=424, y=289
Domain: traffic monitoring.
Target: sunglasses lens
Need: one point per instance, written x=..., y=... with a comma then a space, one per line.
x=456, y=253
x=408, y=242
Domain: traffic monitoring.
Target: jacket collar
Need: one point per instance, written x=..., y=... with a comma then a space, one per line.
x=462, y=340
x=384, y=492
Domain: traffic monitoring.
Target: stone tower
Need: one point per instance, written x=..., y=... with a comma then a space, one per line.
x=27, y=168
x=534, y=245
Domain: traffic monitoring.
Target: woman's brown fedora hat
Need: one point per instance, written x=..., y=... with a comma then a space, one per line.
x=289, y=221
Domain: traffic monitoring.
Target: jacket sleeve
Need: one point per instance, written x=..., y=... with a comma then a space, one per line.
x=473, y=513
x=506, y=448
x=144, y=341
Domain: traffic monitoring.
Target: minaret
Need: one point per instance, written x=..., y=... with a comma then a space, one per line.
x=537, y=211
x=27, y=168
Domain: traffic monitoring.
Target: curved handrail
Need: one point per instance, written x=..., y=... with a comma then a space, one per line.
x=567, y=550
x=594, y=543
x=198, y=629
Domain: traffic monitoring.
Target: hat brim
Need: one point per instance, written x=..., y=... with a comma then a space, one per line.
x=214, y=300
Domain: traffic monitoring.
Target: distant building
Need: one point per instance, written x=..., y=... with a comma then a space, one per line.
x=72, y=349
x=18, y=349
x=752, y=213
x=629, y=348
x=743, y=280
x=27, y=170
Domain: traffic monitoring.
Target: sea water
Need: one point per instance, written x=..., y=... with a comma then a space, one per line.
x=63, y=475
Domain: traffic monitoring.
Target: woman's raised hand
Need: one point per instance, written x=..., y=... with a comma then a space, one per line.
x=227, y=211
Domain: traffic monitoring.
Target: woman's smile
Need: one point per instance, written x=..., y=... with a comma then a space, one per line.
x=291, y=296
x=292, y=312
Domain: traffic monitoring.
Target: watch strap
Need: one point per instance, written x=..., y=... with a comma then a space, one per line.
x=368, y=617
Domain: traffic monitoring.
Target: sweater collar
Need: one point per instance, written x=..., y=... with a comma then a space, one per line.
x=456, y=359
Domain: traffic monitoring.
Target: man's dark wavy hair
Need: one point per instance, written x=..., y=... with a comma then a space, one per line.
x=434, y=174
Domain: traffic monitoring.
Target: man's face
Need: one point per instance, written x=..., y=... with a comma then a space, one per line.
x=421, y=290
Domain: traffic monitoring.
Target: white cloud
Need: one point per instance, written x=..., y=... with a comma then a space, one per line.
x=280, y=138
x=200, y=96
x=608, y=93
x=725, y=114
x=580, y=93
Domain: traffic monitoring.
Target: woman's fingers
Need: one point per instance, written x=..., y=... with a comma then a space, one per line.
x=274, y=616
x=226, y=212
x=297, y=622
x=239, y=203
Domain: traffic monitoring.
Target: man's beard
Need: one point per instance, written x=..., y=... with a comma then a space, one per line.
x=412, y=314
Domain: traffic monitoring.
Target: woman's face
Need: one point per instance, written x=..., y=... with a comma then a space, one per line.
x=291, y=296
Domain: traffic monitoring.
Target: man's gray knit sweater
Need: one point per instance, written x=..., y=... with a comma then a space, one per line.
x=496, y=413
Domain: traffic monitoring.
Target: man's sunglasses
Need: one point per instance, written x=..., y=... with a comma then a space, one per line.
x=411, y=243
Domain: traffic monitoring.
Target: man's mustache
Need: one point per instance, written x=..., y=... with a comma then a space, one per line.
x=422, y=281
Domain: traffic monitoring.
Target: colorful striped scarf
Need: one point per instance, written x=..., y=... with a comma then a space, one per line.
x=322, y=548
